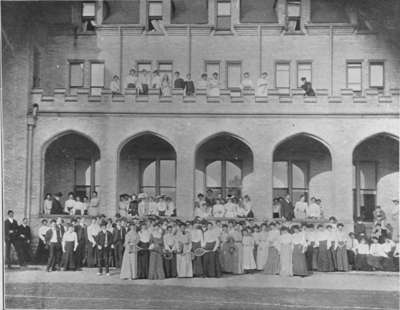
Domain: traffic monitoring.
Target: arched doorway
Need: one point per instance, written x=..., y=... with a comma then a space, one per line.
x=71, y=163
x=147, y=164
x=302, y=164
x=223, y=163
x=375, y=174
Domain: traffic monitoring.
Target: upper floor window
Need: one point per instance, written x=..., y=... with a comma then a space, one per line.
x=234, y=72
x=354, y=76
x=223, y=15
x=376, y=75
x=282, y=77
x=212, y=67
x=294, y=15
x=96, y=78
x=76, y=73
x=304, y=69
x=88, y=16
x=165, y=68
x=154, y=16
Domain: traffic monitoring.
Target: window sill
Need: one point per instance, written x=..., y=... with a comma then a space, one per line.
x=86, y=33
x=223, y=32
x=154, y=33
x=294, y=33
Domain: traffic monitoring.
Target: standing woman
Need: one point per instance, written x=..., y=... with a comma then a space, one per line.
x=273, y=260
x=324, y=259
x=42, y=252
x=156, y=270
x=341, y=249
x=92, y=231
x=213, y=85
x=165, y=86
x=197, y=241
x=262, y=249
x=129, y=261
x=286, y=253
x=238, y=252
x=300, y=208
x=299, y=248
x=249, y=263
x=211, y=266
x=170, y=248
x=69, y=245
x=94, y=205
x=143, y=253
x=226, y=252
x=47, y=204
x=183, y=256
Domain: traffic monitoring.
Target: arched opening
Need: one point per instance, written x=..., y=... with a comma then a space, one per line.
x=302, y=164
x=375, y=175
x=71, y=164
x=147, y=164
x=223, y=164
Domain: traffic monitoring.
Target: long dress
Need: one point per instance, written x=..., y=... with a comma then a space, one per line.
x=324, y=260
x=197, y=240
x=129, y=260
x=228, y=248
x=183, y=257
x=91, y=252
x=286, y=255
x=170, y=264
x=211, y=267
x=42, y=252
x=262, y=250
x=143, y=260
x=299, y=258
x=156, y=270
x=273, y=264
x=213, y=87
x=237, y=253
x=248, y=254
x=341, y=252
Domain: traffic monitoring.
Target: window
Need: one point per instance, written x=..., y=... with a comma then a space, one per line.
x=154, y=16
x=165, y=68
x=158, y=177
x=354, y=76
x=224, y=176
x=293, y=15
x=96, y=78
x=223, y=15
x=234, y=73
x=282, y=77
x=76, y=74
x=290, y=177
x=84, y=183
x=376, y=75
x=304, y=69
x=88, y=16
x=364, y=188
x=211, y=67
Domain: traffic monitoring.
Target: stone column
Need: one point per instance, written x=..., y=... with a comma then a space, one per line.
x=185, y=165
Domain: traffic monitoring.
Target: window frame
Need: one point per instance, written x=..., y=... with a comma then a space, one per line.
x=92, y=186
x=212, y=62
x=290, y=18
x=375, y=62
x=303, y=62
x=79, y=62
x=350, y=62
x=91, y=62
x=217, y=15
x=166, y=62
x=227, y=64
x=283, y=62
x=150, y=18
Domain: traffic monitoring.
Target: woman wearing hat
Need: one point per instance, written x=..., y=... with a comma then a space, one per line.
x=42, y=252
x=272, y=265
x=156, y=270
x=143, y=254
x=197, y=241
x=211, y=267
x=238, y=252
x=129, y=261
x=183, y=256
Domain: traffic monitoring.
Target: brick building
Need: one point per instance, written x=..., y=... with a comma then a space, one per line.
x=341, y=145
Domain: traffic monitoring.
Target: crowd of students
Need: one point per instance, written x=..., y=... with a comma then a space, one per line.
x=144, y=80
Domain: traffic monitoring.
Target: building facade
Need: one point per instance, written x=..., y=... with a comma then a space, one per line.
x=64, y=130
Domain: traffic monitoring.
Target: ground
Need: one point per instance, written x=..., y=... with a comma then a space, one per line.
x=34, y=288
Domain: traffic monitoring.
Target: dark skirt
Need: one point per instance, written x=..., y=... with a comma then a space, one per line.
x=197, y=261
x=324, y=260
x=170, y=267
x=156, y=270
x=211, y=267
x=351, y=258
x=143, y=260
x=42, y=253
x=227, y=256
x=273, y=264
x=361, y=262
x=333, y=257
x=309, y=257
x=341, y=258
x=299, y=261
x=315, y=258
x=91, y=255
x=375, y=262
x=69, y=256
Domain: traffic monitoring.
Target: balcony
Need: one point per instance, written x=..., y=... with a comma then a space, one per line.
x=228, y=103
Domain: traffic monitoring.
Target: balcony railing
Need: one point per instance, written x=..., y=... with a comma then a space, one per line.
x=227, y=103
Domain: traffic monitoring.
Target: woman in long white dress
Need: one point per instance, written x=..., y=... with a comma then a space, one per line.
x=249, y=263
x=183, y=256
x=262, y=85
x=300, y=208
x=129, y=261
x=213, y=85
x=262, y=249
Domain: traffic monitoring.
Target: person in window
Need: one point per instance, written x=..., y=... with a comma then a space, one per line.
x=203, y=82
x=165, y=86
x=132, y=79
x=144, y=82
x=307, y=87
x=262, y=85
x=69, y=206
x=156, y=80
x=213, y=85
x=179, y=83
x=246, y=83
x=47, y=204
x=189, y=85
x=114, y=85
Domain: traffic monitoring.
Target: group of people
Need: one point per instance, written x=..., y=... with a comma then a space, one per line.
x=283, y=207
x=74, y=205
x=144, y=204
x=142, y=81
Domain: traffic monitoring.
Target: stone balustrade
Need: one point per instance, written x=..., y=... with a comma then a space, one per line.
x=227, y=102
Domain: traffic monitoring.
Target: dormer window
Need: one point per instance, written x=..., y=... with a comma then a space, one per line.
x=224, y=15
x=155, y=16
x=88, y=16
x=293, y=15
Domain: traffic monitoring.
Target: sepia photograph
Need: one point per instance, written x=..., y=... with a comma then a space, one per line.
x=200, y=154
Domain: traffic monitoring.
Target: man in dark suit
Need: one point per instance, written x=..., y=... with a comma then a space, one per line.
x=119, y=233
x=79, y=227
x=104, y=241
x=56, y=207
x=25, y=237
x=11, y=233
x=287, y=208
x=307, y=87
x=53, y=240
